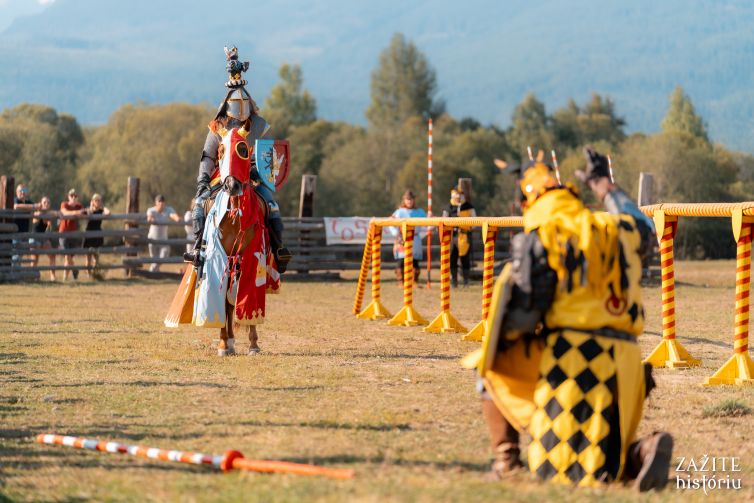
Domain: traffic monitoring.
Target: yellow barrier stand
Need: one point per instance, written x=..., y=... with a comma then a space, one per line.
x=669, y=353
x=445, y=321
x=408, y=316
x=739, y=369
x=363, y=272
x=488, y=238
x=375, y=310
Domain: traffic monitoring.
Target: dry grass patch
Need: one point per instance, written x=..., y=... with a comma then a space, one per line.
x=93, y=359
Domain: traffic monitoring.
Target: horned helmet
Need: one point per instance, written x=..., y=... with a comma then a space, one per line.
x=535, y=177
x=238, y=103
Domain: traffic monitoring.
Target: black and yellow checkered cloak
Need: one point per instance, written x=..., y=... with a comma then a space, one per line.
x=579, y=388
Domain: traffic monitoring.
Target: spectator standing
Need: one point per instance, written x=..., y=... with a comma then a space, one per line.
x=407, y=209
x=158, y=216
x=41, y=225
x=461, y=247
x=70, y=208
x=22, y=202
x=96, y=207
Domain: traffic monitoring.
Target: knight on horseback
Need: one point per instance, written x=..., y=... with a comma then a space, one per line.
x=236, y=108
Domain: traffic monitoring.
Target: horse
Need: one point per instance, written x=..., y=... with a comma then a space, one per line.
x=228, y=287
x=234, y=237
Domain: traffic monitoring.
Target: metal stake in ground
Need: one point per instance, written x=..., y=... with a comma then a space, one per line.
x=231, y=460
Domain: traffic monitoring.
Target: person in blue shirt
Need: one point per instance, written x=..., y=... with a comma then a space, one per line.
x=408, y=209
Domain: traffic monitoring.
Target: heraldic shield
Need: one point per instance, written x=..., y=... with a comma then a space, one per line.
x=273, y=160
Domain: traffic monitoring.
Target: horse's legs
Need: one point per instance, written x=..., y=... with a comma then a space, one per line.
x=227, y=337
x=253, y=338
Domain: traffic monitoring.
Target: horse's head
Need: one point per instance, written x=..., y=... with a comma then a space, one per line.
x=234, y=156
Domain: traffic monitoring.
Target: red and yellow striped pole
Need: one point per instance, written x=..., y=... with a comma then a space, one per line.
x=408, y=316
x=445, y=321
x=488, y=280
x=375, y=310
x=669, y=353
x=429, y=203
x=231, y=460
x=363, y=272
x=739, y=369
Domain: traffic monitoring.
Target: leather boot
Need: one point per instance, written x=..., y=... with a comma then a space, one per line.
x=399, y=274
x=465, y=274
x=503, y=440
x=282, y=254
x=648, y=461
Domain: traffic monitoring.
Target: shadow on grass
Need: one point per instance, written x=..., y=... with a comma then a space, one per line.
x=145, y=384
x=385, y=356
x=346, y=459
x=7, y=357
x=39, y=458
x=329, y=425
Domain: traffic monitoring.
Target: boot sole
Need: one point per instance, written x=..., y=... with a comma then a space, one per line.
x=654, y=473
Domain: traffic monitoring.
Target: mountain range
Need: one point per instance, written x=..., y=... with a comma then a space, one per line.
x=88, y=57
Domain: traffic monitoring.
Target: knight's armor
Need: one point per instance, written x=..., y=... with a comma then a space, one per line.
x=234, y=110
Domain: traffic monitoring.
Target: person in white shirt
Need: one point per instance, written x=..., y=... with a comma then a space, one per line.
x=158, y=216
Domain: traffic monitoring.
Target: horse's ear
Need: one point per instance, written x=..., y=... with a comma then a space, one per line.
x=245, y=128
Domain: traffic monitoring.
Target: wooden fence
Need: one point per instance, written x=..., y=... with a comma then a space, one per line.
x=304, y=236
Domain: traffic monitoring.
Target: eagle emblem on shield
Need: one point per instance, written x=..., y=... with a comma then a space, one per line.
x=273, y=158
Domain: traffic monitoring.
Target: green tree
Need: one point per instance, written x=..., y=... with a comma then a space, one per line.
x=160, y=144
x=682, y=118
x=403, y=85
x=530, y=127
x=288, y=104
x=311, y=144
x=574, y=126
x=40, y=147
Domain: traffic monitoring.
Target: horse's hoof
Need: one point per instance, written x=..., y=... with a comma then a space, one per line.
x=254, y=351
x=226, y=352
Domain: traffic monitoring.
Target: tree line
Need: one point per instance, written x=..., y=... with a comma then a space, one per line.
x=363, y=170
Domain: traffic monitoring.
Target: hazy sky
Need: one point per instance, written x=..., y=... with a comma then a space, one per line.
x=11, y=9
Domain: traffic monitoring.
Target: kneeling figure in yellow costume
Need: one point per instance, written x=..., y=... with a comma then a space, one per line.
x=560, y=360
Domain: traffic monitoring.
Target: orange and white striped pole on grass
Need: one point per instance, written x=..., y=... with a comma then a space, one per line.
x=669, y=353
x=488, y=281
x=739, y=369
x=445, y=321
x=363, y=272
x=231, y=460
x=408, y=316
x=429, y=202
x=375, y=310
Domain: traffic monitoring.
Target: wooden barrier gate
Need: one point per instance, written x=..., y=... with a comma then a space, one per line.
x=408, y=316
x=670, y=353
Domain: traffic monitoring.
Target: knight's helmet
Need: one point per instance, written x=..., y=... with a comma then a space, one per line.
x=238, y=103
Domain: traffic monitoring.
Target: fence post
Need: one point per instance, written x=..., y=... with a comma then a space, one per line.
x=739, y=369
x=645, y=196
x=363, y=271
x=408, y=316
x=445, y=321
x=7, y=191
x=669, y=353
x=375, y=310
x=488, y=280
x=132, y=206
x=465, y=185
x=306, y=200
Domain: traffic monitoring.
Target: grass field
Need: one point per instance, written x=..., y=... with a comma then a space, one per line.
x=93, y=359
